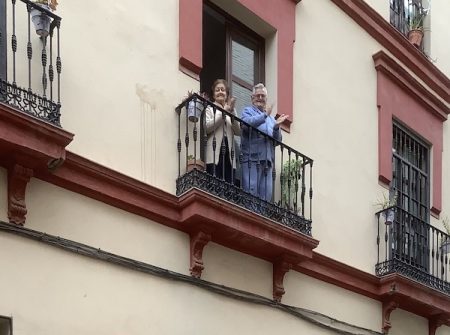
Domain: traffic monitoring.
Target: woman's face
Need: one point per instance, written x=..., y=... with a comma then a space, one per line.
x=220, y=93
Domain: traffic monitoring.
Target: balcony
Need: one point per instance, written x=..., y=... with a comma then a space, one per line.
x=409, y=246
x=31, y=85
x=31, y=138
x=290, y=203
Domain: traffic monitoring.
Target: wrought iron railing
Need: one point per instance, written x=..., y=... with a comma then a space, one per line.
x=409, y=246
x=406, y=15
x=19, y=86
x=289, y=196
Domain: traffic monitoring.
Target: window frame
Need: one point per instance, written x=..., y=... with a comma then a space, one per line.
x=239, y=32
x=416, y=108
x=9, y=321
x=405, y=162
x=257, y=44
x=283, y=24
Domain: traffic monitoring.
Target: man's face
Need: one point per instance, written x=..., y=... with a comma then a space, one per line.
x=259, y=99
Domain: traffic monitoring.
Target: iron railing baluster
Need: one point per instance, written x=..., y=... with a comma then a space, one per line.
x=22, y=96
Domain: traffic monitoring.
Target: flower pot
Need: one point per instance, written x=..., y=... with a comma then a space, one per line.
x=415, y=36
x=197, y=164
x=445, y=246
x=195, y=110
x=389, y=216
x=41, y=21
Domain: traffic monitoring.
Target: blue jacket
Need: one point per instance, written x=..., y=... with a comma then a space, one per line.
x=254, y=146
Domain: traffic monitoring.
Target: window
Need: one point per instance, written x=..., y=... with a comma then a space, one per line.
x=410, y=163
x=278, y=30
x=5, y=326
x=411, y=107
x=245, y=68
x=233, y=52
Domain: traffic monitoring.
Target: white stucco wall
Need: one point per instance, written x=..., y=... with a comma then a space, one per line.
x=235, y=269
x=119, y=84
x=445, y=179
x=382, y=7
x=407, y=323
x=440, y=35
x=94, y=223
x=3, y=195
x=83, y=296
x=443, y=330
x=121, y=88
x=316, y=295
x=336, y=123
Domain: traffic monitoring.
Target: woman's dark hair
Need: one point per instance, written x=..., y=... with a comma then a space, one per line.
x=217, y=82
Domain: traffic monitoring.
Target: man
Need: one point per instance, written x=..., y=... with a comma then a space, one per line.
x=258, y=152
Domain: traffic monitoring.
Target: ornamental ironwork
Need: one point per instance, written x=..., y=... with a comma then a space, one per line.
x=226, y=191
x=407, y=270
x=26, y=85
x=30, y=103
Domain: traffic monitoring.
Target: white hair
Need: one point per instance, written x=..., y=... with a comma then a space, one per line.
x=259, y=86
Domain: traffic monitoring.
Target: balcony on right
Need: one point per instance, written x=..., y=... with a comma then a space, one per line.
x=407, y=243
x=411, y=247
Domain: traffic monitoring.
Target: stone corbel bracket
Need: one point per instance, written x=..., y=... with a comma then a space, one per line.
x=388, y=306
x=18, y=178
x=435, y=322
x=198, y=240
x=28, y=147
x=280, y=267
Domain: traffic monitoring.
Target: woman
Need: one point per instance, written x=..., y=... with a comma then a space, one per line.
x=219, y=162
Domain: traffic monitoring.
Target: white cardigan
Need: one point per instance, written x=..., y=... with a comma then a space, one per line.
x=216, y=127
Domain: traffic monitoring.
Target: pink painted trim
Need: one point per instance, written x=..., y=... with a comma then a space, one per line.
x=190, y=36
x=400, y=96
x=279, y=14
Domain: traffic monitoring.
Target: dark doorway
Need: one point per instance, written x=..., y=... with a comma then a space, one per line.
x=233, y=52
x=214, y=52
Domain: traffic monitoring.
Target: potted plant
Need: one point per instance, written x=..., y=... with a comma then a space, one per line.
x=445, y=240
x=41, y=20
x=193, y=163
x=415, y=33
x=386, y=206
x=195, y=106
x=291, y=172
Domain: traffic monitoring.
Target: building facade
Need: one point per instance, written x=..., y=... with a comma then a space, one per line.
x=110, y=224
